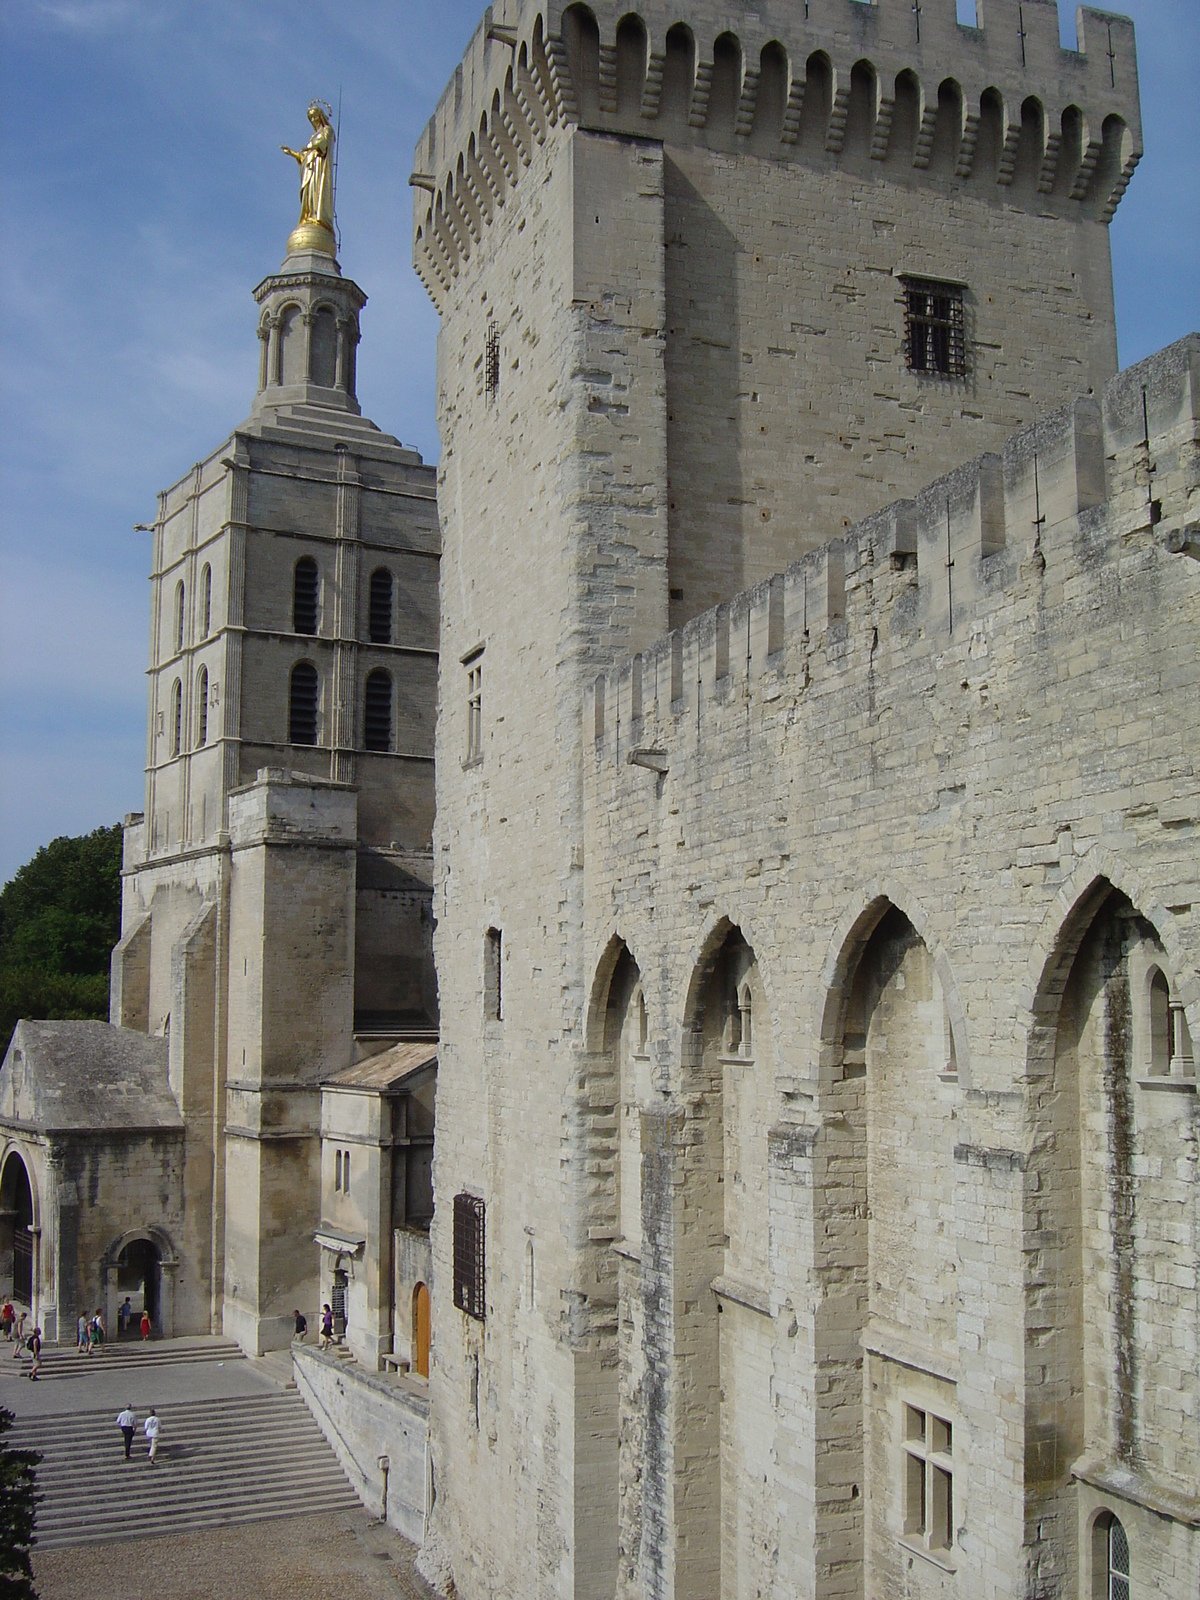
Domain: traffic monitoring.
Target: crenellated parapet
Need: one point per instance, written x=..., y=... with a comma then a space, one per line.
x=1068, y=496
x=889, y=86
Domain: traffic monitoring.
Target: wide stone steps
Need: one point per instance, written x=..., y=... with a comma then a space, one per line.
x=219, y=1462
x=60, y=1362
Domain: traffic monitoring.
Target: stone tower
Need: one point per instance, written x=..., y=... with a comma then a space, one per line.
x=714, y=284
x=277, y=887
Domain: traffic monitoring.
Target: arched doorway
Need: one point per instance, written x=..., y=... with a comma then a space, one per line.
x=420, y=1335
x=139, y=1288
x=16, y=1241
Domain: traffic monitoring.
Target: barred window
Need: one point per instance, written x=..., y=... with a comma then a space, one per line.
x=934, y=332
x=305, y=587
x=379, y=615
x=468, y=1254
x=377, y=714
x=302, y=704
x=491, y=363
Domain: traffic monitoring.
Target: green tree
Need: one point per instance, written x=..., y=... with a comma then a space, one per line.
x=59, y=919
x=17, y=1515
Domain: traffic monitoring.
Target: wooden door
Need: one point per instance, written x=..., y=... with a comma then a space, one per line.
x=421, y=1331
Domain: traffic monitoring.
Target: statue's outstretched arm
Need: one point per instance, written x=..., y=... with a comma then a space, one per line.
x=295, y=154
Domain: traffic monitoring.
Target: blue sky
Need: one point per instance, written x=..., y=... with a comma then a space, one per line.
x=144, y=195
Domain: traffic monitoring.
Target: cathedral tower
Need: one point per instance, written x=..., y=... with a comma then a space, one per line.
x=277, y=887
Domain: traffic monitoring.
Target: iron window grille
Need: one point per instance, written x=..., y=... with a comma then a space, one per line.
x=935, y=338
x=491, y=363
x=469, y=1254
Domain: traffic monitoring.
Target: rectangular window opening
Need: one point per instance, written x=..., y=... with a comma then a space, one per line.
x=475, y=711
x=493, y=994
x=934, y=328
x=928, y=1479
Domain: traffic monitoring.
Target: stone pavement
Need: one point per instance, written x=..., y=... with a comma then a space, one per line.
x=301, y=1558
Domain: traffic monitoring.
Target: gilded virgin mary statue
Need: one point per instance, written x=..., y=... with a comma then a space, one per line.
x=315, y=229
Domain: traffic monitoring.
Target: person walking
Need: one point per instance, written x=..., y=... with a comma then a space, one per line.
x=83, y=1334
x=127, y=1422
x=326, y=1326
x=35, y=1350
x=301, y=1327
x=146, y=1329
x=150, y=1428
x=98, y=1328
x=20, y=1344
x=7, y=1318
x=124, y=1317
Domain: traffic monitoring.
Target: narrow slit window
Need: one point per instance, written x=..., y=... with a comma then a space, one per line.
x=346, y=1172
x=475, y=711
x=305, y=591
x=379, y=610
x=201, y=708
x=205, y=601
x=934, y=328
x=302, y=707
x=469, y=1255
x=176, y=716
x=179, y=600
x=337, y=1171
x=493, y=994
x=377, y=711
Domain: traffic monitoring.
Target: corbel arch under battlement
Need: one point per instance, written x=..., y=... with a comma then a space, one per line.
x=603, y=971
x=840, y=966
x=1058, y=940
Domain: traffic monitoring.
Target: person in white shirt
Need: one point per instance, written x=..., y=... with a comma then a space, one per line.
x=150, y=1428
x=127, y=1422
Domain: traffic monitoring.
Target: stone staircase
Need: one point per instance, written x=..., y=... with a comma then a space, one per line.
x=220, y=1461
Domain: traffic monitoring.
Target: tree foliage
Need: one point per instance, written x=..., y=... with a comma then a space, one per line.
x=17, y=1515
x=59, y=919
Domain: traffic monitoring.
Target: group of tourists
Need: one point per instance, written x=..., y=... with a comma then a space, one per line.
x=91, y=1331
x=12, y=1326
x=127, y=1422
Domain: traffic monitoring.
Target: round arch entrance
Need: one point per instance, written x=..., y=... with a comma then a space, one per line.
x=139, y=1275
x=16, y=1240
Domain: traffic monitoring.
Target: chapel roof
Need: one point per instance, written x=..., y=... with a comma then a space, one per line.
x=86, y=1076
x=389, y=1069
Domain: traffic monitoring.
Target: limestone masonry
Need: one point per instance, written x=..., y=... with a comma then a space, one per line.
x=810, y=612
x=815, y=835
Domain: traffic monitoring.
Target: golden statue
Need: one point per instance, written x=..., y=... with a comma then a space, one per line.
x=315, y=230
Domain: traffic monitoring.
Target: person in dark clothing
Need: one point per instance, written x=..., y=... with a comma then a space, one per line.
x=301, y=1325
x=127, y=1422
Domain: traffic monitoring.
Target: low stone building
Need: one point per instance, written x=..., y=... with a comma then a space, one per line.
x=377, y=1121
x=91, y=1178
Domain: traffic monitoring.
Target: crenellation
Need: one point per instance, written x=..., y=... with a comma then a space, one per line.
x=1038, y=92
